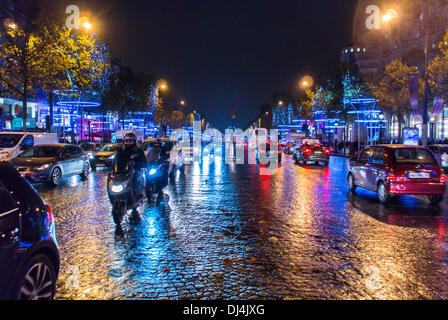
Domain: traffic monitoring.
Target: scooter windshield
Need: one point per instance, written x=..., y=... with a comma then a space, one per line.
x=122, y=164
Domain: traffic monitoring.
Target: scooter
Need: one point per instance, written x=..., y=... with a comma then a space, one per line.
x=157, y=178
x=125, y=187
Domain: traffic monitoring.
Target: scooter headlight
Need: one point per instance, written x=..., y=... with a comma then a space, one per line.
x=152, y=172
x=117, y=188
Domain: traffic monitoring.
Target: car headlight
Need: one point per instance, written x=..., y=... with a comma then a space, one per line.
x=4, y=155
x=152, y=172
x=42, y=167
x=111, y=157
x=91, y=156
x=117, y=188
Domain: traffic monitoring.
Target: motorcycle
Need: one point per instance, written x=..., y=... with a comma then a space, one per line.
x=125, y=187
x=157, y=178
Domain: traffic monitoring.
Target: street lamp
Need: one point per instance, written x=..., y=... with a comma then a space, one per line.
x=162, y=85
x=306, y=82
x=390, y=15
x=182, y=102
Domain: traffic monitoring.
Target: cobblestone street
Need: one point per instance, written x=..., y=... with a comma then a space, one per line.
x=225, y=232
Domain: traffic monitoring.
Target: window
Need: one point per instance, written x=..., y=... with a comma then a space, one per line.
x=41, y=152
x=6, y=203
x=28, y=141
x=366, y=155
x=9, y=140
x=75, y=150
x=434, y=149
x=413, y=156
x=379, y=157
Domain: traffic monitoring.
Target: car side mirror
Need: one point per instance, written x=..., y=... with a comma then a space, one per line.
x=23, y=147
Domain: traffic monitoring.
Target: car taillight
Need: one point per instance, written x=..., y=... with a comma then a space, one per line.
x=443, y=178
x=327, y=150
x=307, y=150
x=392, y=178
x=50, y=214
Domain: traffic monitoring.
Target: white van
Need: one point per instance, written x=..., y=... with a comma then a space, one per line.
x=12, y=144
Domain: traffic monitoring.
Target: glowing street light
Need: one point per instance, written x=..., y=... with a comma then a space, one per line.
x=280, y=103
x=306, y=82
x=182, y=102
x=87, y=25
x=162, y=85
x=12, y=25
x=390, y=15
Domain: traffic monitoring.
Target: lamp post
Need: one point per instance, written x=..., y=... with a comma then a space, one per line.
x=89, y=119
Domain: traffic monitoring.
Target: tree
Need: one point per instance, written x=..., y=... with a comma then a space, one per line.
x=54, y=76
x=438, y=71
x=23, y=49
x=392, y=92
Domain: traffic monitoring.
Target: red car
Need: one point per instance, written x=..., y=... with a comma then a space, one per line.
x=394, y=170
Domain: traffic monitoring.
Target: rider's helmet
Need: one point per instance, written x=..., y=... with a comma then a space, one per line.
x=130, y=141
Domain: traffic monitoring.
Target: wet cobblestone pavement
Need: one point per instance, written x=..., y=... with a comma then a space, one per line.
x=224, y=232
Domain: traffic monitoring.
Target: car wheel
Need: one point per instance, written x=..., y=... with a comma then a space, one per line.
x=85, y=171
x=383, y=194
x=351, y=183
x=435, y=199
x=37, y=281
x=56, y=177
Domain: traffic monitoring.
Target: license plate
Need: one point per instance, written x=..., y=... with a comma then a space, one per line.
x=318, y=152
x=418, y=175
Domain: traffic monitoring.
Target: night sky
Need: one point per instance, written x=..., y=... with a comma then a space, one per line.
x=222, y=54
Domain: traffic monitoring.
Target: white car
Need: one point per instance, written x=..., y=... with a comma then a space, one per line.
x=441, y=153
x=12, y=144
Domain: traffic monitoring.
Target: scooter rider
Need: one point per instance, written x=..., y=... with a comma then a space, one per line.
x=161, y=149
x=133, y=150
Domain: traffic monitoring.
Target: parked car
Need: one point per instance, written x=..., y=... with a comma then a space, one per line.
x=104, y=158
x=14, y=143
x=441, y=154
x=394, y=170
x=29, y=256
x=52, y=162
x=311, y=150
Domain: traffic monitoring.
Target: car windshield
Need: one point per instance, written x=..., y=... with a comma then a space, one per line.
x=9, y=140
x=413, y=156
x=167, y=145
x=87, y=146
x=122, y=164
x=41, y=152
x=110, y=148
